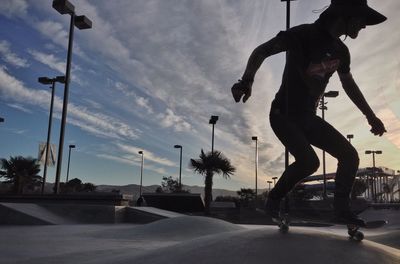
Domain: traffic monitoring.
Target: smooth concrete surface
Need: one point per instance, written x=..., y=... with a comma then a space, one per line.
x=28, y=213
x=143, y=215
x=61, y=214
x=187, y=239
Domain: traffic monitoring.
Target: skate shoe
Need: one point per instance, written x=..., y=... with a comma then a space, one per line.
x=348, y=217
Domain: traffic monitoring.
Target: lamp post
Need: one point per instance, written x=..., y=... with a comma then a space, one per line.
x=46, y=81
x=256, y=161
x=373, y=152
x=349, y=137
x=213, y=121
x=69, y=158
x=180, y=166
x=81, y=22
x=323, y=107
x=269, y=186
x=274, y=179
x=141, y=174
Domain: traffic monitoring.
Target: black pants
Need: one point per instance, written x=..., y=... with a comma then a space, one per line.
x=298, y=133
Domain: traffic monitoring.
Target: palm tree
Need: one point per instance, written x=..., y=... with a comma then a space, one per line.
x=21, y=173
x=208, y=164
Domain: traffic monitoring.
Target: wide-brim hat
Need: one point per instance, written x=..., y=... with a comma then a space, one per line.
x=357, y=8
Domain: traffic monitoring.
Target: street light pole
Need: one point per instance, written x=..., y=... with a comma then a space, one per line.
x=141, y=173
x=213, y=121
x=373, y=152
x=349, y=137
x=274, y=179
x=46, y=80
x=180, y=166
x=256, y=162
x=323, y=107
x=81, y=22
x=69, y=157
x=269, y=186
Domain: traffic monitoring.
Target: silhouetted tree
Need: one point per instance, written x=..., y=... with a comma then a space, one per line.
x=76, y=185
x=171, y=185
x=159, y=190
x=88, y=187
x=21, y=172
x=207, y=165
x=246, y=196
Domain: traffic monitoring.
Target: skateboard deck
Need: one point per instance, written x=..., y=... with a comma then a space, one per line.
x=353, y=230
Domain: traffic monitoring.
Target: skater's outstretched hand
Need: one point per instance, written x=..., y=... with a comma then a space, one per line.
x=242, y=88
x=377, y=127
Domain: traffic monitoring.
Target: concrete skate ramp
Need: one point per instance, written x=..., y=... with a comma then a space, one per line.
x=174, y=229
x=29, y=214
x=186, y=239
x=391, y=239
x=270, y=246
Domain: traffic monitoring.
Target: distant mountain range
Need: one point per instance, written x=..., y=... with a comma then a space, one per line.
x=133, y=189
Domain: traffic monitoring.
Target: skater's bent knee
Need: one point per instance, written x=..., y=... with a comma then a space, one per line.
x=351, y=157
x=310, y=165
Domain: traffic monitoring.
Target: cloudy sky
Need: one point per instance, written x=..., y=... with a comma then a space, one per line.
x=149, y=75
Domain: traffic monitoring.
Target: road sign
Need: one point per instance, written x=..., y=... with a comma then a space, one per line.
x=51, y=159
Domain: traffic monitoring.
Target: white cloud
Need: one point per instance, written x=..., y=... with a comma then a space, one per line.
x=130, y=93
x=20, y=108
x=94, y=123
x=133, y=160
x=49, y=60
x=392, y=124
x=170, y=119
x=55, y=32
x=119, y=159
x=11, y=8
x=8, y=56
x=148, y=155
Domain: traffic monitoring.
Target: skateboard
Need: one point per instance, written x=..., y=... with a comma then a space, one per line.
x=353, y=230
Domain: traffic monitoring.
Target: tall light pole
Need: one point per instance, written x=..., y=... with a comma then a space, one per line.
x=269, y=186
x=274, y=179
x=349, y=137
x=69, y=158
x=141, y=173
x=256, y=161
x=47, y=81
x=213, y=121
x=287, y=90
x=180, y=166
x=81, y=22
x=373, y=152
x=323, y=107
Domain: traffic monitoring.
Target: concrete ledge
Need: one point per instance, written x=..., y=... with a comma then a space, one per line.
x=88, y=213
x=143, y=215
x=177, y=202
x=76, y=198
x=28, y=214
x=61, y=214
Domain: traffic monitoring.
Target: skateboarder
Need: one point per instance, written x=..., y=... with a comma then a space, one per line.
x=315, y=52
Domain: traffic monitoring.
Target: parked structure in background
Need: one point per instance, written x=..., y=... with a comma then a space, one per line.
x=382, y=184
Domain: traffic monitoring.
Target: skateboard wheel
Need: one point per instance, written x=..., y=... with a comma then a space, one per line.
x=356, y=235
x=284, y=228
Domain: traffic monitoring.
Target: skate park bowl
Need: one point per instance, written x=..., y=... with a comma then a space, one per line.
x=186, y=239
